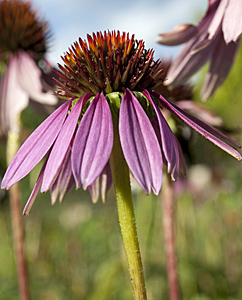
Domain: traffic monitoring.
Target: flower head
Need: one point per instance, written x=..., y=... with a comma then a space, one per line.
x=23, y=39
x=108, y=78
x=216, y=39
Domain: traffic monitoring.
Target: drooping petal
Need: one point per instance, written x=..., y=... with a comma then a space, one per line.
x=93, y=142
x=35, y=147
x=217, y=18
x=182, y=162
x=179, y=35
x=139, y=143
x=204, y=129
x=62, y=143
x=101, y=185
x=199, y=110
x=220, y=66
x=232, y=22
x=187, y=63
x=35, y=190
x=65, y=180
x=29, y=78
x=13, y=99
x=168, y=142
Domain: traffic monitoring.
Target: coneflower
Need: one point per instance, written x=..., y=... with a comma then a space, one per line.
x=109, y=76
x=112, y=120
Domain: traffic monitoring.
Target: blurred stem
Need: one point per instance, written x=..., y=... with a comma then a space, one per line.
x=169, y=238
x=121, y=182
x=16, y=219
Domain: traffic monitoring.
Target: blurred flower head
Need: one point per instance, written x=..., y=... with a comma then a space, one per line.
x=23, y=42
x=109, y=76
x=216, y=39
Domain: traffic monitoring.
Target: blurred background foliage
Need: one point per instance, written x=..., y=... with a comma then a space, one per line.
x=75, y=250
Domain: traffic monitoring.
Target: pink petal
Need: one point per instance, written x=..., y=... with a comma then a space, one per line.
x=101, y=185
x=93, y=142
x=139, y=143
x=194, y=54
x=232, y=23
x=220, y=66
x=36, y=188
x=179, y=35
x=188, y=62
x=168, y=141
x=217, y=19
x=10, y=90
x=62, y=143
x=29, y=79
x=35, y=147
x=65, y=180
x=199, y=110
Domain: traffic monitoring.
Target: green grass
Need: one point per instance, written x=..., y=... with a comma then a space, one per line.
x=75, y=250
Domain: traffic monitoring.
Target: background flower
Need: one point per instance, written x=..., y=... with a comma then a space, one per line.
x=216, y=39
x=23, y=43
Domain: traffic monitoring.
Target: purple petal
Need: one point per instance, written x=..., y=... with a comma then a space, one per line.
x=62, y=143
x=35, y=147
x=220, y=66
x=35, y=190
x=179, y=35
x=168, y=142
x=101, y=185
x=139, y=143
x=65, y=180
x=232, y=22
x=93, y=142
x=204, y=129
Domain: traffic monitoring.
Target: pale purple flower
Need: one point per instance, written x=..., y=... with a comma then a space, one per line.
x=22, y=45
x=20, y=82
x=216, y=39
x=112, y=76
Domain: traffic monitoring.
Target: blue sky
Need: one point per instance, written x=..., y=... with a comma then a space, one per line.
x=71, y=19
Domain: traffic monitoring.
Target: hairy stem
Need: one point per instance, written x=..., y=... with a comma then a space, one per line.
x=121, y=182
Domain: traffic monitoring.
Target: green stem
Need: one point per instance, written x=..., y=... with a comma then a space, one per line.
x=121, y=182
x=17, y=225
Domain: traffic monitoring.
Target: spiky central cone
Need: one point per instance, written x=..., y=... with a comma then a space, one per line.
x=20, y=29
x=107, y=63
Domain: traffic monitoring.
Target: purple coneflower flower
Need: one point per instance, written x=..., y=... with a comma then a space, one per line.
x=107, y=78
x=22, y=44
x=215, y=39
